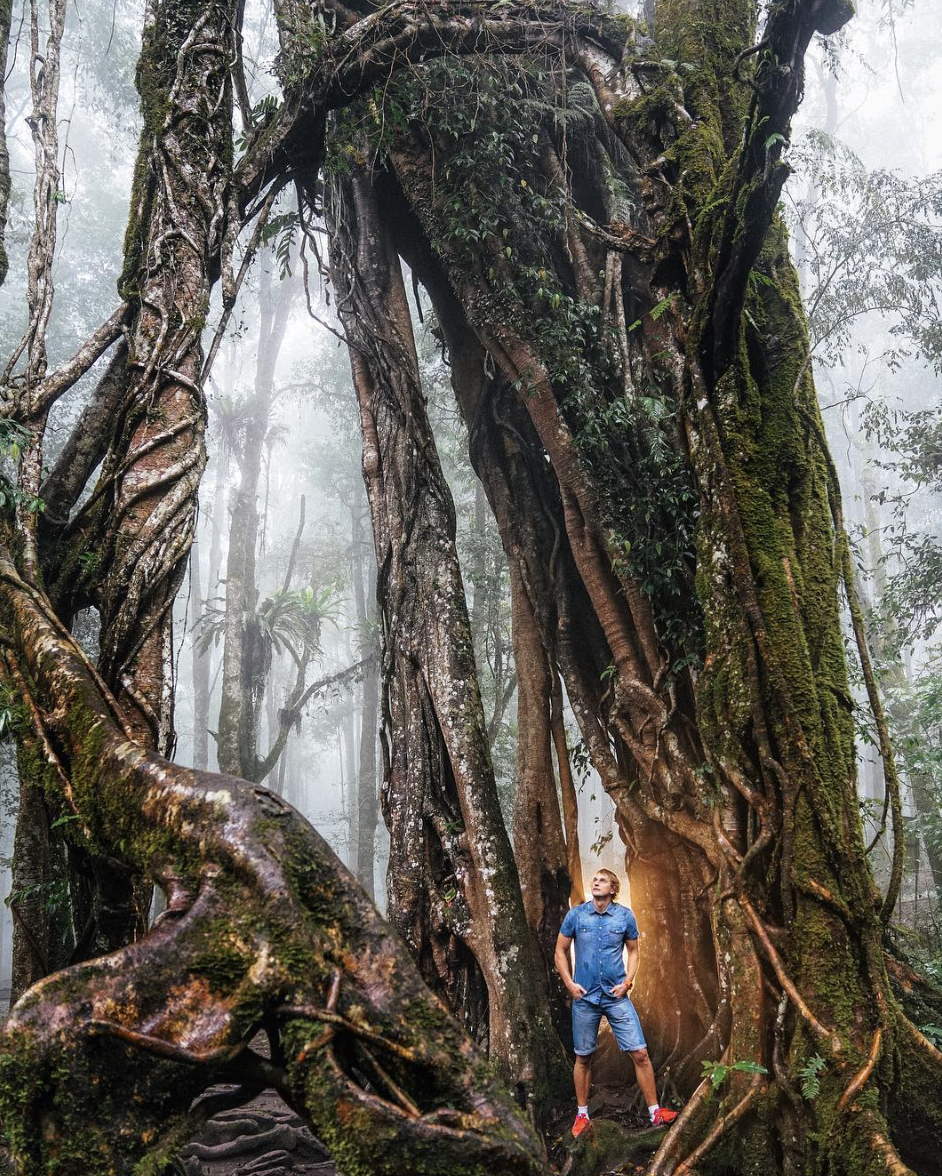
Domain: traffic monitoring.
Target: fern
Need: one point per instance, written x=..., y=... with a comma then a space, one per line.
x=810, y=1082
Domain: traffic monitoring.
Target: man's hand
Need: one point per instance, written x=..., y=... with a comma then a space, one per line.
x=622, y=989
x=576, y=991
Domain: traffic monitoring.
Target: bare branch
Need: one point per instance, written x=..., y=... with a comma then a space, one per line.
x=54, y=385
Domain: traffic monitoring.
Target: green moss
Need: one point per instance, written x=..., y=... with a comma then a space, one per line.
x=607, y=1146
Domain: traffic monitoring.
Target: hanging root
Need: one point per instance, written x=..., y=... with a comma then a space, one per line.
x=884, y=1154
x=823, y=1034
x=921, y=1042
x=720, y=1128
x=100, y=1064
x=685, y=1124
x=860, y=1078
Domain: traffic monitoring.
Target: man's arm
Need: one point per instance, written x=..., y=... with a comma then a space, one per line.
x=561, y=960
x=634, y=959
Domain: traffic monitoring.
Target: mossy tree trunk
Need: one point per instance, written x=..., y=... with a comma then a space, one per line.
x=124, y=552
x=263, y=929
x=453, y=887
x=733, y=766
x=6, y=16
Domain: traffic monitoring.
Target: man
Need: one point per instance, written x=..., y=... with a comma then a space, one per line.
x=600, y=929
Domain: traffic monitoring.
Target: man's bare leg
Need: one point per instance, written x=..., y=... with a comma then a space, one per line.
x=582, y=1078
x=644, y=1072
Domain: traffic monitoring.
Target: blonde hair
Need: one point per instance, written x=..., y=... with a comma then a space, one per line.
x=613, y=878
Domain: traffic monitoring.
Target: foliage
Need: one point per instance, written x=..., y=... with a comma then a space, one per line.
x=13, y=715
x=281, y=233
x=15, y=439
x=52, y=895
x=910, y=608
x=916, y=706
x=809, y=1074
x=717, y=1072
x=290, y=620
x=872, y=243
x=490, y=124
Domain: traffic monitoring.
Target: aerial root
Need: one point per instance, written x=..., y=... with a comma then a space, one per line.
x=686, y=1167
x=667, y=1152
x=819, y=1030
x=860, y=1078
x=921, y=1042
x=238, y=1059
x=882, y=1146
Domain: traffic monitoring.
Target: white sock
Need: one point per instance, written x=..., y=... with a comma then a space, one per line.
x=653, y=1110
x=582, y=1111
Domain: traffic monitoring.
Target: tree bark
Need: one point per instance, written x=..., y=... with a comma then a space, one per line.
x=6, y=15
x=453, y=887
x=733, y=771
x=739, y=776
x=102, y=1062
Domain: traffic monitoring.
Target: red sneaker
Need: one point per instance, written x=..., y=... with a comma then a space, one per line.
x=662, y=1117
x=582, y=1121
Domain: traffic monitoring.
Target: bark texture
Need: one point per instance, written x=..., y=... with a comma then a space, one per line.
x=454, y=893
x=263, y=929
x=633, y=330
x=726, y=737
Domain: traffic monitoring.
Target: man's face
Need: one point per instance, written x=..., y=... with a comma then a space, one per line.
x=602, y=886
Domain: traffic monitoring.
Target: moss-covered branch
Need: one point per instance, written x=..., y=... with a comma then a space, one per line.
x=264, y=928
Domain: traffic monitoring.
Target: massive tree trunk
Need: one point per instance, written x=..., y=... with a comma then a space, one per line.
x=529, y=509
x=264, y=929
x=6, y=16
x=126, y=550
x=723, y=732
x=454, y=893
x=733, y=767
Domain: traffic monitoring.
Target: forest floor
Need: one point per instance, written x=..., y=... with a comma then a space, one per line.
x=262, y=1138
x=266, y=1138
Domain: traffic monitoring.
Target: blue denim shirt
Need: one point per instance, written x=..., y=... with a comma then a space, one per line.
x=599, y=942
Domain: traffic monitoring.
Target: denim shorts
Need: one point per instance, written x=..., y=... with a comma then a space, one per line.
x=622, y=1018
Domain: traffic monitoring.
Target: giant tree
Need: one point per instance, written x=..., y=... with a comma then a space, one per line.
x=94, y=734
x=610, y=255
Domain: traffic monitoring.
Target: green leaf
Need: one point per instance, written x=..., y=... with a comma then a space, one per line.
x=749, y=1067
x=663, y=305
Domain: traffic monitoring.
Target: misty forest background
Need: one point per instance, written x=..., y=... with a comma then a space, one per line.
x=868, y=148
x=864, y=207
